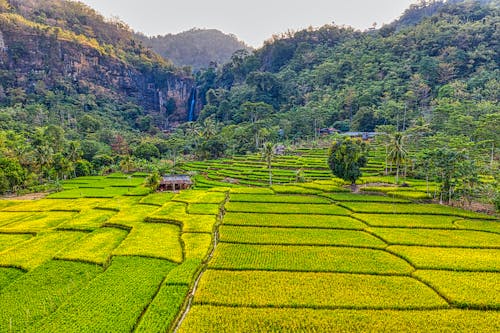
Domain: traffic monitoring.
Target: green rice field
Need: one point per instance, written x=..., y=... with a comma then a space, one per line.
x=107, y=255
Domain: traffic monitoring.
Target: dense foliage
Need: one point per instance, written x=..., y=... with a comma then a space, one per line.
x=197, y=48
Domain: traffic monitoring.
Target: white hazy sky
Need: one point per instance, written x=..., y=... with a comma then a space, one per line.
x=253, y=21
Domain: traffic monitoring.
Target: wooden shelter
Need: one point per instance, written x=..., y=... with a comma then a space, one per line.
x=175, y=183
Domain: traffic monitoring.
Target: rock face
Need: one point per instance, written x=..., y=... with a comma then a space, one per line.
x=29, y=58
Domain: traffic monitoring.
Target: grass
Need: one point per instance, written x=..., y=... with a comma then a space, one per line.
x=454, y=238
x=244, y=207
x=295, y=199
x=9, y=240
x=306, y=259
x=465, y=289
x=196, y=245
x=152, y=240
x=450, y=258
x=113, y=301
x=34, y=252
x=315, y=290
x=292, y=220
x=408, y=221
x=38, y=222
x=96, y=247
x=35, y=295
x=275, y=236
x=221, y=319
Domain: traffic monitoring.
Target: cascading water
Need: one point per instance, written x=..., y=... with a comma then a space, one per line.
x=192, y=105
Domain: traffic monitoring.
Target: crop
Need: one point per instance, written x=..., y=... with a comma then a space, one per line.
x=272, y=236
x=290, y=189
x=111, y=302
x=152, y=240
x=250, y=190
x=157, y=199
x=184, y=273
x=203, y=209
x=8, y=275
x=314, y=290
x=36, y=294
x=414, y=195
x=456, y=238
x=88, y=219
x=285, y=208
x=96, y=247
x=10, y=217
x=201, y=318
x=293, y=220
x=296, y=199
x=427, y=209
x=322, y=187
x=201, y=197
x=450, y=258
x=9, y=240
x=38, y=222
x=119, y=203
x=408, y=221
x=362, y=197
x=163, y=309
x=465, y=289
x=132, y=215
x=306, y=259
x=39, y=249
x=493, y=226
x=196, y=245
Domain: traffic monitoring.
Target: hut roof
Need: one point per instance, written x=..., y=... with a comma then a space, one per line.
x=176, y=179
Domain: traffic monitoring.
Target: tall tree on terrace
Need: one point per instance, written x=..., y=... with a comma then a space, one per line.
x=346, y=157
x=398, y=152
x=268, y=155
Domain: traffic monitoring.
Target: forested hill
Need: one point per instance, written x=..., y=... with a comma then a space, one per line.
x=198, y=48
x=441, y=71
x=61, y=62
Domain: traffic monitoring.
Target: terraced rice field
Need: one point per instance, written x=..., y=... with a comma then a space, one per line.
x=105, y=255
x=381, y=264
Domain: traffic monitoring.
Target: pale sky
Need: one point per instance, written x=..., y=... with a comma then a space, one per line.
x=252, y=21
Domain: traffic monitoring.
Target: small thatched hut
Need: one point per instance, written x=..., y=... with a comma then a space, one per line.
x=175, y=183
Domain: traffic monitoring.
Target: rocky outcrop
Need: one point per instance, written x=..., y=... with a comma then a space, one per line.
x=28, y=59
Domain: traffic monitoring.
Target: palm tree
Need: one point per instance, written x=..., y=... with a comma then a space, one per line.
x=268, y=155
x=398, y=153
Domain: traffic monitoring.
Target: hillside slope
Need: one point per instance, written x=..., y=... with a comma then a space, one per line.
x=62, y=55
x=198, y=48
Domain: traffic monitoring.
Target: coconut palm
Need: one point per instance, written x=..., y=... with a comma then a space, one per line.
x=268, y=155
x=398, y=153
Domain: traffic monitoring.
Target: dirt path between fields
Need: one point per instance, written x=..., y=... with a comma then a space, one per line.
x=30, y=196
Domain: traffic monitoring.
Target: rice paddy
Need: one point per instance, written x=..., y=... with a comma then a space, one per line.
x=108, y=255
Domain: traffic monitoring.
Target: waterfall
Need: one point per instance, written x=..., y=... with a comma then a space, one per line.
x=192, y=105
